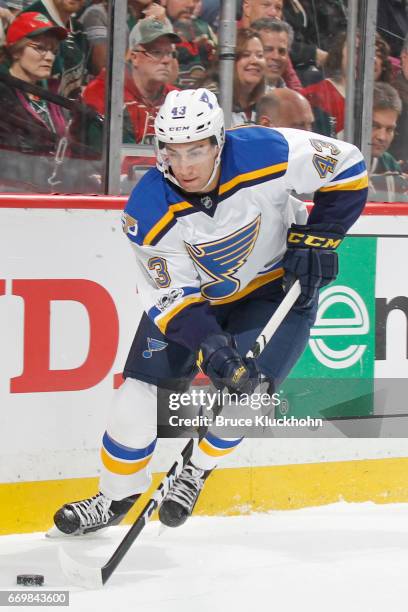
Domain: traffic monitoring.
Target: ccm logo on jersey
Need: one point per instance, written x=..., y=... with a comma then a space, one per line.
x=311, y=241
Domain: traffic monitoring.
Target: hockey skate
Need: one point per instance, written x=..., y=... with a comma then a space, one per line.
x=92, y=514
x=180, y=500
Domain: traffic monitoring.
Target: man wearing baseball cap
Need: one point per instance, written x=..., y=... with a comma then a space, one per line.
x=150, y=29
x=70, y=64
x=147, y=78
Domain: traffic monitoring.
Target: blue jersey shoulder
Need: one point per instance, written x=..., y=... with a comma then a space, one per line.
x=253, y=153
x=154, y=207
x=146, y=204
x=254, y=147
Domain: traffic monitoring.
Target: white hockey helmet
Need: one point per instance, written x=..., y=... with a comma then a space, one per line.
x=188, y=116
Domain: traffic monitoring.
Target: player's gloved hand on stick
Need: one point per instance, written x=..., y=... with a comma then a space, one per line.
x=311, y=258
x=220, y=360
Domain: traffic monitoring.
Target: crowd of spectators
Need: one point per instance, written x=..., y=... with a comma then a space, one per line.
x=290, y=71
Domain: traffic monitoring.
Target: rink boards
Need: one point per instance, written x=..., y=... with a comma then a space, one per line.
x=68, y=311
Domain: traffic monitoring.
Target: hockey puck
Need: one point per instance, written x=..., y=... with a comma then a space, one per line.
x=30, y=579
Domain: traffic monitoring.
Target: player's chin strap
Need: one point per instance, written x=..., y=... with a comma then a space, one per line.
x=95, y=577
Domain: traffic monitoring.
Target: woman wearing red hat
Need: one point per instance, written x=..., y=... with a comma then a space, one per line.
x=29, y=124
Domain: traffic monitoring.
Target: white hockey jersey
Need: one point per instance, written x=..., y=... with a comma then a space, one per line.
x=197, y=252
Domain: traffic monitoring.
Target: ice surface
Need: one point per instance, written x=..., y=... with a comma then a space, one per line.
x=338, y=558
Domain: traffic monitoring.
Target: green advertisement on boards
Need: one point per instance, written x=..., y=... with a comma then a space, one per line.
x=335, y=375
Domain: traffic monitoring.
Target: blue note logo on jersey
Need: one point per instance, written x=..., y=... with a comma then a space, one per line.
x=153, y=346
x=222, y=258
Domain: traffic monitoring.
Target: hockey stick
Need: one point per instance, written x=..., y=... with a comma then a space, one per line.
x=95, y=577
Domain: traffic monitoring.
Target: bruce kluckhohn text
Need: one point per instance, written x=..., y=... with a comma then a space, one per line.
x=257, y=420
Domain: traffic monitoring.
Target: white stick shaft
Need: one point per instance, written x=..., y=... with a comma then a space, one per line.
x=277, y=318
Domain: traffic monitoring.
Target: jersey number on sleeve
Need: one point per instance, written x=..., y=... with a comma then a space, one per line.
x=159, y=265
x=324, y=164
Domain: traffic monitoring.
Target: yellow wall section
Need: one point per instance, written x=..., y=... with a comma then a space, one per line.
x=29, y=506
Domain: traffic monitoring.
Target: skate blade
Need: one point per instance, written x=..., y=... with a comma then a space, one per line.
x=55, y=534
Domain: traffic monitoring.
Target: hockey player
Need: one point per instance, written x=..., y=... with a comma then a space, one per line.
x=214, y=236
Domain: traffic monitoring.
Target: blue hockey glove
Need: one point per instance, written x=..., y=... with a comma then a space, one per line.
x=311, y=258
x=220, y=360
